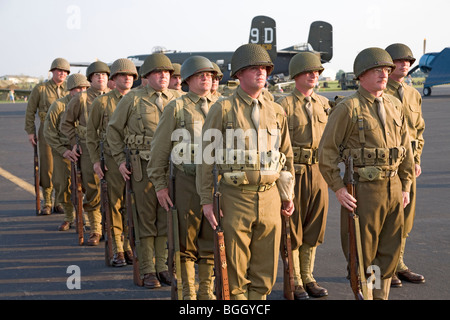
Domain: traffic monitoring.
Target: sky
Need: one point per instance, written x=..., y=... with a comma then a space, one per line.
x=34, y=33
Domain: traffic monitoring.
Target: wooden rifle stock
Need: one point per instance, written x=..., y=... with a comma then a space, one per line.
x=174, y=258
x=286, y=255
x=355, y=265
x=36, y=178
x=220, y=259
x=79, y=199
x=133, y=232
x=106, y=211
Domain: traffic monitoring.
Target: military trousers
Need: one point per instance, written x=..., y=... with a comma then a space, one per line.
x=91, y=187
x=151, y=223
x=380, y=211
x=196, y=234
x=61, y=183
x=252, y=231
x=45, y=166
x=308, y=222
x=116, y=192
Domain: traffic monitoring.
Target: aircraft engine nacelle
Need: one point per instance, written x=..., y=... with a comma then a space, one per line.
x=426, y=61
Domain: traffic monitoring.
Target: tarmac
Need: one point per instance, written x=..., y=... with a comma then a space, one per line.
x=38, y=262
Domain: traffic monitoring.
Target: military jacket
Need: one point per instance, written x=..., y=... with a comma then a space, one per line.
x=343, y=133
x=134, y=121
x=52, y=133
x=182, y=113
x=412, y=109
x=102, y=109
x=41, y=97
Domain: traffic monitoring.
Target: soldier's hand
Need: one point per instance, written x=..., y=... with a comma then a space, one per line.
x=346, y=199
x=69, y=156
x=288, y=208
x=208, y=211
x=75, y=150
x=405, y=198
x=98, y=170
x=124, y=171
x=32, y=139
x=418, y=169
x=164, y=199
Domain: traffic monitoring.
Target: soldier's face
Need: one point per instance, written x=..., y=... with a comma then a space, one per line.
x=375, y=80
x=175, y=82
x=200, y=83
x=99, y=80
x=402, y=68
x=159, y=80
x=59, y=76
x=307, y=80
x=76, y=90
x=253, y=77
x=123, y=81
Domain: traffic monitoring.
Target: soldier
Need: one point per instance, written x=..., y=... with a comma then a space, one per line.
x=250, y=202
x=196, y=236
x=412, y=108
x=175, y=78
x=307, y=114
x=370, y=127
x=132, y=125
x=216, y=80
x=123, y=73
x=73, y=125
x=42, y=96
x=61, y=150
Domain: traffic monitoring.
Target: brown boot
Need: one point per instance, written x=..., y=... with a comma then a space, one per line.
x=300, y=293
x=396, y=282
x=94, y=239
x=64, y=226
x=151, y=281
x=410, y=276
x=315, y=290
x=47, y=210
x=119, y=260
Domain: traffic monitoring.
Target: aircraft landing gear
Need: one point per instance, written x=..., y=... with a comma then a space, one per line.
x=426, y=91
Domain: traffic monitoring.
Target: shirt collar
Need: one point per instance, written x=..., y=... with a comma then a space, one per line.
x=246, y=97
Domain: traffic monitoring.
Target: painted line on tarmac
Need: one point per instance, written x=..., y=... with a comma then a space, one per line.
x=21, y=183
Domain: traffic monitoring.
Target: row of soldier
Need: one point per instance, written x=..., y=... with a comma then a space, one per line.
x=313, y=136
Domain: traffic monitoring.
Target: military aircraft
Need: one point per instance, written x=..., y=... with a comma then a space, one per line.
x=262, y=32
x=436, y=66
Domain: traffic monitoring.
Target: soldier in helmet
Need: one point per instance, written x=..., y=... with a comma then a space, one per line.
x=175, y=78
x=61, y=149
x=123, y=73
x=412, y=108
x=73, y=125
x=251, y=147
x=187, y=113
x=133, y=124
x=216, y=81
x=42, y=96
x=370, y=127
x=307, y=114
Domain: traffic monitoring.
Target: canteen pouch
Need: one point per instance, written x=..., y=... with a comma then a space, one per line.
x=235, y=178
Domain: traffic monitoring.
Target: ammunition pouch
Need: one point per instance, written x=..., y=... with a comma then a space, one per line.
x=138, y=142
x=305, y=155
x=375, y=156
x=251, y=160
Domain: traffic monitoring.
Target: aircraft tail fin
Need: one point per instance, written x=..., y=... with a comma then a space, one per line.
x=263, y=32
x=321, y=39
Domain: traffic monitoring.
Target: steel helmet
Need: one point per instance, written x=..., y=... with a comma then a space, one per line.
x=250, y=54
x=400, y=51
x=77, y=80
x=60, y=63
x=176, y=69
x=217, y=68
x=371, y=58
x=156, y=61
x=123, y=65
x=97, y=66
x=304, y=62
x=195, y=64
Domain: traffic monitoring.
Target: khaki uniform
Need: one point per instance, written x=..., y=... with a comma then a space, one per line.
x=41, y=97
x=133, y=124
x=380, y=154
x=102, y=109
x=61, y=166
x=412, y=109
x=250, y=204
x=308, y=221
x=73, y=125
x=195, y=233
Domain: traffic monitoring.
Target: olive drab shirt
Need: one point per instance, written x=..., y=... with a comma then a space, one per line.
x=53, y=135
x=136, y=116
x=102, y=109
x=41, y=97
x=342, y=133
x=77, y=114
x=236, y=112
x=182, y=113
x=412, y=109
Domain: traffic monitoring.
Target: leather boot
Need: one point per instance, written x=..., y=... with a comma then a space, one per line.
x=205, y=282
x=307, y=256
x=188, y=279
x=161, y=255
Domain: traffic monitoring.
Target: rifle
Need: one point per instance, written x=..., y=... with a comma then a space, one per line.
x=174, y=259
x=355, y=261
x=220, y=259
x=36, y=178
x=106, y=210
x=78, y=196
x=133, y=232
x=286, y=255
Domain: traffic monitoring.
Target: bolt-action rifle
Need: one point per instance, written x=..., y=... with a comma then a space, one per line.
x=36, y=178
x=77, y=195
x=286, y=255
x=106, y=210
